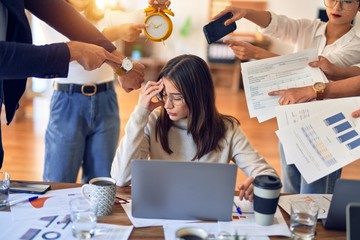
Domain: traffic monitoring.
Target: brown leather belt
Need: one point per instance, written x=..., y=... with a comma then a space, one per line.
x=86, y=89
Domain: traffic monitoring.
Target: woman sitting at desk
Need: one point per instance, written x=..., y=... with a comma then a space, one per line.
x=187, y=127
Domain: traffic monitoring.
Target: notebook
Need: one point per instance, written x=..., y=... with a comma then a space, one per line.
x=352, y=221
x=182, y=190
x=345, y=191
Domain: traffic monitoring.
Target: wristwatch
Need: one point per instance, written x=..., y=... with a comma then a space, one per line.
x=125, y=67
x=319, y=88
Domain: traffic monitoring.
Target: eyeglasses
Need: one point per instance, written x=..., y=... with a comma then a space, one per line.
x=175, y=99
x=346, y=5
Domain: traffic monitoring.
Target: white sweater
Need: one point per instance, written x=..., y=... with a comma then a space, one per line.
x=139, y=143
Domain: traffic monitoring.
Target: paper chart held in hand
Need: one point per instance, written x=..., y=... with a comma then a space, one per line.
x=323, y=142
x=276, y=73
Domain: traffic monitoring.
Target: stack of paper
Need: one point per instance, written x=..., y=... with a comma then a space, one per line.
x=48, y=217
x=319, y=137
x=277, y=73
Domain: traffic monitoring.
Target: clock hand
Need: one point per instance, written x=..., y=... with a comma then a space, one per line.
x=157, y=26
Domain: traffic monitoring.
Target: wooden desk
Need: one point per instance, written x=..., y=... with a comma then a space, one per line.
x=119, y=217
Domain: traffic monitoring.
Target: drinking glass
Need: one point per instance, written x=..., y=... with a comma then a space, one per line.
x=303, y=220
x=83, y=218
x=4, y=189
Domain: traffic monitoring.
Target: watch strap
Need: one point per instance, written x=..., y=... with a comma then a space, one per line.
x=120, y=71
x=320, y=95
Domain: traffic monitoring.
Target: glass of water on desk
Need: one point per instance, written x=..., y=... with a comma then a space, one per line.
x=83, y=218
x=303, y=220
x=4, y=189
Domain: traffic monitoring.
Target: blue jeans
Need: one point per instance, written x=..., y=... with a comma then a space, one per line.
x=83, y=131
x=293, y=182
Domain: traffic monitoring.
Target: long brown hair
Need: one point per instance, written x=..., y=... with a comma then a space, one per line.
x=191, y=76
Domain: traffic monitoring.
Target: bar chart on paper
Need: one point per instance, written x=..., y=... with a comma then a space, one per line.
x=346, y=134
x=325, y=140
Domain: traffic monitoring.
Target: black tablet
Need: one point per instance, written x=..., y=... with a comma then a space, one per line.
x=24, y=187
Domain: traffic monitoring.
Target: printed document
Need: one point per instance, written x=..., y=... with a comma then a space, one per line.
x=322, y=200
x=52, y=202
x=324, y=137
x=277, y=73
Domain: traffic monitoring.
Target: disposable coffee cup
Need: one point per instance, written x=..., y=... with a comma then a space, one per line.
x=191, y=233
x=266, y=197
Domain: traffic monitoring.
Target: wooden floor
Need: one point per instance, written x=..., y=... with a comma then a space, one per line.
x=23, y=140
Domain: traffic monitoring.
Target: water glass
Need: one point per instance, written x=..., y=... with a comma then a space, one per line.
x=83, y=218
x=4, y=189
x=303, y=220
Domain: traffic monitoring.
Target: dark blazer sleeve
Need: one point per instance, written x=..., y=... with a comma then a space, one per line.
x=21, y=60
x=65, y=19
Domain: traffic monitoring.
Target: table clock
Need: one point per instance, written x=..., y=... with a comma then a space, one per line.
x=159, y=24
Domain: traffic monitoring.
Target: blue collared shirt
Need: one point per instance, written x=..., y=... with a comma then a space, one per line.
x=3, y=22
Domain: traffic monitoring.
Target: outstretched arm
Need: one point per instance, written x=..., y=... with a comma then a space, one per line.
x=349, y=87
x=333, y=71
x=259, y=17
x=247, y=51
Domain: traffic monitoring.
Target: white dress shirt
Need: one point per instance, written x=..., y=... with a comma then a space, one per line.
x=306, y=34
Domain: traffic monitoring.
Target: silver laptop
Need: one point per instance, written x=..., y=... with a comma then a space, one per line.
x=182, y=190
x=345, y=192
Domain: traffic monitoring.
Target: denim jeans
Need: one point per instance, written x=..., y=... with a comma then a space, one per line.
x=293, y=182
x=83, y=131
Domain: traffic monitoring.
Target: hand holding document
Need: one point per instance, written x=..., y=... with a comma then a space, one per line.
x=276, y=73
x=320, y=137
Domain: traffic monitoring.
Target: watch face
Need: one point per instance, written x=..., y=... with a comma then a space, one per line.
x=126, y=64
x=319, y=86
x=158, y=27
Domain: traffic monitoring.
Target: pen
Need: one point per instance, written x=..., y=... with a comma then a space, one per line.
x=238, y=209
x=16, y=201
x=120, y=200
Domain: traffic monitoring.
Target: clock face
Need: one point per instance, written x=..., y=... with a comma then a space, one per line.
x=127, y=64
x=319, y=86
x=159, y=27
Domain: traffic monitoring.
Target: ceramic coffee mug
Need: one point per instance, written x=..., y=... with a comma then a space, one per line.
x=101, y=190
x=191, y=233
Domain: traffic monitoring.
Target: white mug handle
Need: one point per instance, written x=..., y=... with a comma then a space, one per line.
x=86, y=194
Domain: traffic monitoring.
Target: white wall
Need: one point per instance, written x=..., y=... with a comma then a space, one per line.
x=198, y=11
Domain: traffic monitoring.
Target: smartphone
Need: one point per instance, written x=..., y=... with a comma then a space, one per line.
x=23, y=187
x=216, y=29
